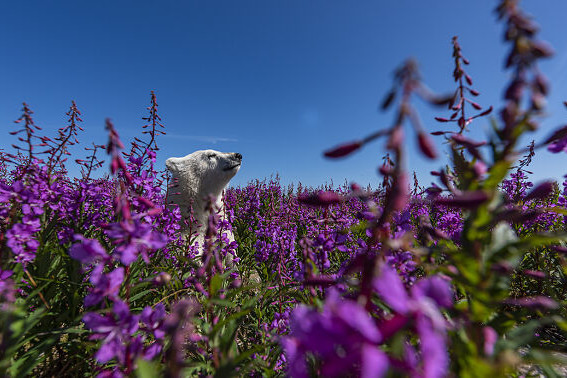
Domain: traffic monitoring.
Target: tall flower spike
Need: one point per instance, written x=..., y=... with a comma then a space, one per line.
x=113, y=149
x=464, y=88
x=29, y=128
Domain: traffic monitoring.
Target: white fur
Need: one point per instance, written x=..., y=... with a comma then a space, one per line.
x=195, y=177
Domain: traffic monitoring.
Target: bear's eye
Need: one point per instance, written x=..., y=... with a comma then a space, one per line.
x=210, y=156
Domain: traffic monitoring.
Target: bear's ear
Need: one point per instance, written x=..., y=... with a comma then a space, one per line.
x=170, y=164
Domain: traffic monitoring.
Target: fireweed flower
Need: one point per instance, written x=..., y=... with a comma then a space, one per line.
x=21, y=239
x=153, y=319
x=88, y=250
x=558, y=146
x=134, y=238
x=420, y=306
x=104, y=285
x=7, y=289
x=344, y=337
x=120, y=339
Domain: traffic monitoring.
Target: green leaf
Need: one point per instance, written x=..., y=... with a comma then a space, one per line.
x=147, y=369
x=496, y=174
x=228, y=319
x=216, y=284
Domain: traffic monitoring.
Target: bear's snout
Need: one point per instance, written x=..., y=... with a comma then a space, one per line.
x=237, y=156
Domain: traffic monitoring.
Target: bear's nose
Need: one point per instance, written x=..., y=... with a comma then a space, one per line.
x=237, y=156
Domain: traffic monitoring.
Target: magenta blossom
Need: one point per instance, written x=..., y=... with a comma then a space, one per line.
x=422, y=307
x=344, y=337
x=106, y=285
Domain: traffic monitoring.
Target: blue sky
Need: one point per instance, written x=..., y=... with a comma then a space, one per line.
x=277, y=81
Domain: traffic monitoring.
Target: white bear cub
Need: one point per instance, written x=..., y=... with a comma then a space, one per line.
x=195, y=177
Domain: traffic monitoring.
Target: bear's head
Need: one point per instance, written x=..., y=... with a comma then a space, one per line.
x=203, y=172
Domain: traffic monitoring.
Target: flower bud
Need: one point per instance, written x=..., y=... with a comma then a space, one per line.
x=343, y=150
x=541, y=191
x=426, y=146
x=466, y=200
x=321, y=199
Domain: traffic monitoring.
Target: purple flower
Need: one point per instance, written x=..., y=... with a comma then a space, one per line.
x=88, y=250
x=22, y=241
x=558, y=146
x=134, y=238
x=344, y=337
x=7, y=289
x=116, y=330
x=153, y=319
x=105, y=285
x=422, y=305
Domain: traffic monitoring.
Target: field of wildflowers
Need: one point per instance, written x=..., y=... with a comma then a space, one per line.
x=465, y=278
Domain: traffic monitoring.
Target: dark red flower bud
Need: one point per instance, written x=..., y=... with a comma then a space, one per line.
x=461, y=122
x=473, y=92
x=426, y=145
x=476, y=106
x=534, y=273
x=541, y=191
x=440, y=119
x=322, y=198
x=557, y=134
x=463, y=140
x=343, y=150
x=468, y=79
x=486, y=112
x=436, y=133
x=388, y=100
x=320, y=281
x=466, y=200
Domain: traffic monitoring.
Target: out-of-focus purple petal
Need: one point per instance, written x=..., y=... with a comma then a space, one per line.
x=533, y=302
x=106, y=352
x=392, y=290
x=295, y=360
x=435, y=288
x=87, y=251
x=490, y=338
x=152, y=351
x=358, y=319
x=433, y=349
x=374, y=362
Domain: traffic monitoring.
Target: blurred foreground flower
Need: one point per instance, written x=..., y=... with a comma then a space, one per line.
x=421, y=307
x=343, y=336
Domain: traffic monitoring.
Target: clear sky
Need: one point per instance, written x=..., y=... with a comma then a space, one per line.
x=278, y=81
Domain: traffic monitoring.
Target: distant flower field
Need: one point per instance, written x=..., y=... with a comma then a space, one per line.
x=464, y=278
